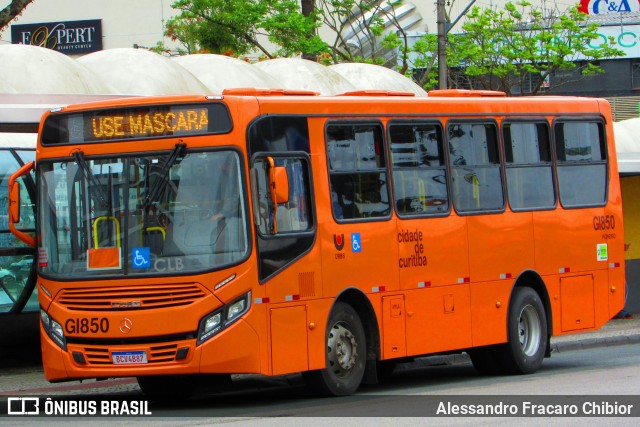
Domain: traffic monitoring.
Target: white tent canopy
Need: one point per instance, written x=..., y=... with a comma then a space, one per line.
x=127, y=71
x=219, y=72
x=376, y=77
x=141, y=72
x=301, y=74
x=31, y=69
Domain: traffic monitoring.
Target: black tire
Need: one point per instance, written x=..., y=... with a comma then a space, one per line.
x=385, y=369
x=176, y=388
x=346, y=354
x=527, y=334
x=485, y=360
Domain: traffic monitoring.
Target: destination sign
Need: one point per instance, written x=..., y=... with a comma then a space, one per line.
x=136, y=123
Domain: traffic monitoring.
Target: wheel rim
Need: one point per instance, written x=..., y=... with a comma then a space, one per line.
x=342, y=349
x=529, y=330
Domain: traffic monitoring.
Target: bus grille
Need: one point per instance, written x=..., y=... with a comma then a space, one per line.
x=156, y=354
x=130, y=298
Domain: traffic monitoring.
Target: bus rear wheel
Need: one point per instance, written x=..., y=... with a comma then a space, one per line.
x=346, y=352
x=525, y=350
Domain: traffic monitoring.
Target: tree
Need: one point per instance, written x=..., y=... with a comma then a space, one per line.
x=365, y=31
x=518, y=49
x=308, y=8
x=12, y=10
x=242, y=26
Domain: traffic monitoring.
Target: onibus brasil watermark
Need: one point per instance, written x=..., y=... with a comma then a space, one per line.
x=71, y=407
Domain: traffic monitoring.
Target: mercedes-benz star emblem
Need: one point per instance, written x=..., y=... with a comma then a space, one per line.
x=126, y=325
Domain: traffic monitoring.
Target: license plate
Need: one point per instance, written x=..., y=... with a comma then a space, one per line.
x=129, y=357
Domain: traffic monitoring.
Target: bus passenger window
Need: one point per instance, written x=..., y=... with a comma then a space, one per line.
x=419, y=169
x=475, y=167
x=529, y=166
x=357, y=171
x=582, y=163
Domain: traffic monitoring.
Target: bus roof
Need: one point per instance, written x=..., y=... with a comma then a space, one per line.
x=279, y=101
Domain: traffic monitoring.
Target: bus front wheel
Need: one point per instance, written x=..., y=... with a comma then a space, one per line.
x=524, y=352
x=346, y=352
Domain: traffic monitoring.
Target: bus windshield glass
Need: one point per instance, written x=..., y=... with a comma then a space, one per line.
x=158, y=214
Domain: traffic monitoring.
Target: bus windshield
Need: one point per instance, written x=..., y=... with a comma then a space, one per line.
x=157, y=214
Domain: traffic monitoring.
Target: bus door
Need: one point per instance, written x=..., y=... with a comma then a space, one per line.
x=432, y=243
x=19, y=308
x=289, y=267
x=358, y=249
x=17, y=269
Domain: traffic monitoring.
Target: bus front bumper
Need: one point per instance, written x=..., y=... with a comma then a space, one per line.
x=234, y=350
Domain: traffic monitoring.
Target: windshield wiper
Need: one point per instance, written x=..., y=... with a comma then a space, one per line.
x=159, y=184
x=88, y=176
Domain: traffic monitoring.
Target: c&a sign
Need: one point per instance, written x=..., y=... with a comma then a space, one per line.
x=601, y=7
x=70, y=37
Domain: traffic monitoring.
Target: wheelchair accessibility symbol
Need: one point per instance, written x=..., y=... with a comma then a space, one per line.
x=141, y=257
x=356, y=245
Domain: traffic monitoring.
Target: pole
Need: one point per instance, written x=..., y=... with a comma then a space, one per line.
x=442, y=45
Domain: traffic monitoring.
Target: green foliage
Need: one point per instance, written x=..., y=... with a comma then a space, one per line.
x=514, y=49
x=425, y=59
x=238, y=27
x=518, y=48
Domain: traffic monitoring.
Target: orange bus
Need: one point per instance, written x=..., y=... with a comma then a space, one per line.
x=184, y=239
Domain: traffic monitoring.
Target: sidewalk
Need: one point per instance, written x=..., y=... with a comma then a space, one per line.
x=615, y=332
x=29, y=380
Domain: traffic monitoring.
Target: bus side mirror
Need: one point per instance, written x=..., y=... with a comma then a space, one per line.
x=280, y=184
x=14, y=203
x=278, y=189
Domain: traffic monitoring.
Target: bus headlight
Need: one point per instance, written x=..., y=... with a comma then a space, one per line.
x=236, y=309
x=216, y=321
x=53, y=329
x=212, y=323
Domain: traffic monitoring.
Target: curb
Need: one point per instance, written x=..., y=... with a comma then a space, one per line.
x=571, y=345
x=556, y=347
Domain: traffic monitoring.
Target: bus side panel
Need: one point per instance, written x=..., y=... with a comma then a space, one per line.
x=500, y=246
x=578, y=302
x=439, y=258
x=52, y=355
x=602, y=290
x=552, y=284
x=490, y=306
x=317, y=316
x=566, y=241
x=616, y=290
x=394, y=325
x=438, y=319
x=289, y=340
x=360, y=255
x=234, y=350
